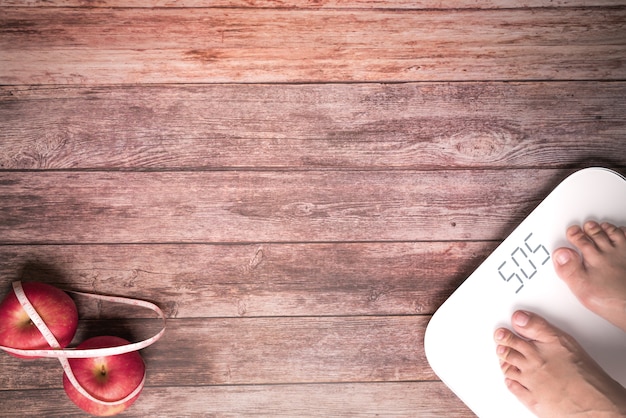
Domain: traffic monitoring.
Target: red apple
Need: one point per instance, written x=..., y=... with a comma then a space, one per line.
x=109, y=379
x=53, y=305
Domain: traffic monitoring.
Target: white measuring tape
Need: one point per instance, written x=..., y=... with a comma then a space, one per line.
x=63, y=354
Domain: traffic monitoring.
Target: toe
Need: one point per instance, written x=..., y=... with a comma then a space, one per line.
x=522, y=393
x=597, y=234
x=510, y=371
x=534, y=327
x=511, y=348
x=510, y=357
x=569, y=266
x=615, y=234
x=577, y=236
x=516, y=387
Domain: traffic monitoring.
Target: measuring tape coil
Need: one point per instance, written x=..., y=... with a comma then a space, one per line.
x=63, y=355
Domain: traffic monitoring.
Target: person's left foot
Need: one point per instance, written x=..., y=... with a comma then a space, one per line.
x=552, y=375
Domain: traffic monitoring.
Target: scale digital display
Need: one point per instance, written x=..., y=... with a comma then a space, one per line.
x=519, y=274
x=523, y=263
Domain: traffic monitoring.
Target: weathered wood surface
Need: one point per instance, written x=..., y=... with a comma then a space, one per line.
x=246, y=207
x=171, y=45
x=203, y=351
x=362, y=126
x=404, y=399
x=298, y=235
x=317, y=4
x=196, y=281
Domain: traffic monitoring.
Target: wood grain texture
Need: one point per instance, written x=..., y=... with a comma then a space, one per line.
x=317, y=4
x=247, y=207
x=298, y=183
x=419, y=399
x=359, y=126
x=252, y=280
x=212, y=351
x=101, y=46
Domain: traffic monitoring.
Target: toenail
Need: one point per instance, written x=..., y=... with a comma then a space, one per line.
x=521, y=318
x=500, y=334
x=501, y=350
x=610, y=228
x=562, y=257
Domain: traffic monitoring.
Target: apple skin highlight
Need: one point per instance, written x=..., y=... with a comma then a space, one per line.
x=109, y=378
x=55, y=307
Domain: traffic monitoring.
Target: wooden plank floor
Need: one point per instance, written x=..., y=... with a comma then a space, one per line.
x=299, y=184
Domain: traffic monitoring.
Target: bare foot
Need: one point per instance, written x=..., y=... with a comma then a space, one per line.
x=552, y=375
x=598, y=279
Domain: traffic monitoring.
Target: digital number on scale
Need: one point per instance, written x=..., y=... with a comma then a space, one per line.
x=524, y=262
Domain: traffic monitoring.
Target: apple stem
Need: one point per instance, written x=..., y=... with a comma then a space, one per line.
x=103, y=371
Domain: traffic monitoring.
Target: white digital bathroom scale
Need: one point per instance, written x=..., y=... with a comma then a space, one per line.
x=519, y=274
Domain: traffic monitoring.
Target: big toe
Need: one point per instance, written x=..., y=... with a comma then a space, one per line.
x=533, y=327
x=568, y=265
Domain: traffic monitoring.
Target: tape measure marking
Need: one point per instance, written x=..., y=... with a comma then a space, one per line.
x=63, y=354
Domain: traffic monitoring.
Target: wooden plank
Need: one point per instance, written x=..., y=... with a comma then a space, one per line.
x=317, y=4
x=364, y=126
x=246, y=207
x=418, y=399
x=101, y=46
x=241, y=351
x=252, y=280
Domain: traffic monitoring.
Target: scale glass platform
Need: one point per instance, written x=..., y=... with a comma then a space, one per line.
x=519, y=274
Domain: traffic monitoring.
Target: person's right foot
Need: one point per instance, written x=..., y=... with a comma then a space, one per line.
x=598, y=279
